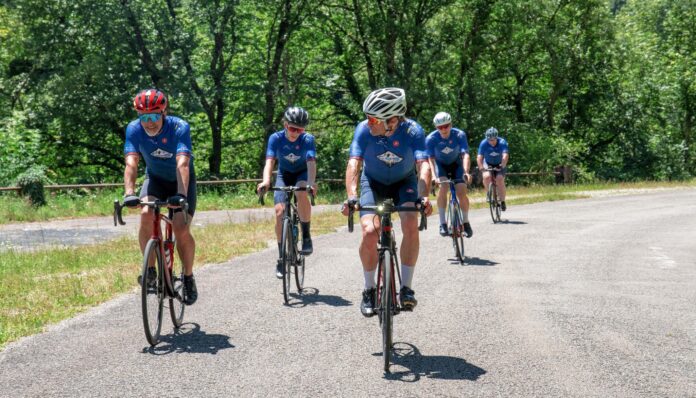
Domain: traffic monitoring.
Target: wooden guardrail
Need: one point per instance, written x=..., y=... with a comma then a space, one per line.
x=564, y=175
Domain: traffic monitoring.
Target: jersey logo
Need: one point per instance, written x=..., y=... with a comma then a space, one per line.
x=494, y=154
x=390, y=158
x=396, y=144
x=447, y=150
x=291, y=157
x=162, y=154
x=164, y=140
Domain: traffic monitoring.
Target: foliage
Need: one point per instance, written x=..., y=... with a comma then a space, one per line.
x=605, y=86
x=31, y=184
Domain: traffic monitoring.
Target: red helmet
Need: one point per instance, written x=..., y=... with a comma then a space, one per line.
x=150, y=100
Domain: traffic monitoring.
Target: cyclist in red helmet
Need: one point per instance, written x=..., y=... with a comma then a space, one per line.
x=164, y=143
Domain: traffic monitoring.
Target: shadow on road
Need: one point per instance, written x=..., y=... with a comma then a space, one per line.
x=406, y=355
x=311, y=296
x=512, y=222
x=190, y=338
x=479, y=261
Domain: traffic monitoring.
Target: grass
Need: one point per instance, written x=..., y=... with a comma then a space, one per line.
x=47, y=286
x=74, y=204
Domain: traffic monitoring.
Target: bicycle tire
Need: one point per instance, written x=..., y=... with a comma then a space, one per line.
x=287, y=259
x=459, y=235
x=456, y=233
x=497, y=209
x=299, y=273
x=387, y=304
x=152, y=314
x=492, y=200
x=176, y=303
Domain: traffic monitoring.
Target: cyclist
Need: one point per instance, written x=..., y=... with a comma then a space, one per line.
x=164, y=143
x=493, y=153
x=448, y=153
x=296, y=154
x=390, y=149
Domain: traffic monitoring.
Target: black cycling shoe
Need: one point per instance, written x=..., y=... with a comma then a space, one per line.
x=151, y=277
x=279, y=270
x=408, y=298
x=468, y=230
x=307, y=247
x=443, y=230
x=367, y=306
x=502, y=206
x=190, y=291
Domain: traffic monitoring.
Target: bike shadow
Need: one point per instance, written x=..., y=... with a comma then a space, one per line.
x=474, y=261
x=512, y=222
x=417, y=365
x=311, y=296
x=189, y=338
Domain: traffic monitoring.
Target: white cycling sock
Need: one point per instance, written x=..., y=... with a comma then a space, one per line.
x=443, y=215
x=370, y=279
x=407, y=275
x=465, y=215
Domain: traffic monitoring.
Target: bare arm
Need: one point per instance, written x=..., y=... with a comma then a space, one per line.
x=353, y=177
x=506, y=158
x=424, y=178
x=479, y=161
x=182, y=173
x=466, y=159
x=130, y=174
x=267, y=171
x=311, y=173
x=431, y=161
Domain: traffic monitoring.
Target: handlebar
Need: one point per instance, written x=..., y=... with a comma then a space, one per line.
x=286, y=189
x=118, y=209
x=385, y=208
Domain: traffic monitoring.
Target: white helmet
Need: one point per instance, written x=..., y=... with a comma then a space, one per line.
x=442, y=118
x=385, y=103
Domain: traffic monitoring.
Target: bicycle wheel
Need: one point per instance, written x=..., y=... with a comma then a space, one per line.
x=459, y=235
x=386, y=308
x=176, y=303
x=448, y=216
x=492, y=201
x=152, y=295
x=288, y=258
x=299, y=273
x=497, y=208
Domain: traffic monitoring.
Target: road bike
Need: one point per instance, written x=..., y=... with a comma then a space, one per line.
x=455, y=222
x=291, y=258
x=159, y=257
x=387, y=305
x=492, y=195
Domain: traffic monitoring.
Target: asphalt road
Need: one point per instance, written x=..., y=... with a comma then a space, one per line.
x=582, y=298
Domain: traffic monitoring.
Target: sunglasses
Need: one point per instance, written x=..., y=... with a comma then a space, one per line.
x=295, y=129
x=150, y=117
x=372, y=121
x=444, y=126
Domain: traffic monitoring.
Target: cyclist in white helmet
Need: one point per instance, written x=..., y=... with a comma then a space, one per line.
x=390, y=150
x=448, y=150
x=493, y=153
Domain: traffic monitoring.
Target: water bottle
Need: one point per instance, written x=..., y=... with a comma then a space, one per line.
x=294, y=231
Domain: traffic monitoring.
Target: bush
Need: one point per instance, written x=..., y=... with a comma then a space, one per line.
x=31, y=185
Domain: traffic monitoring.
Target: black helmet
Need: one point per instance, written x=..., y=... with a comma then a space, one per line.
x=297, y=116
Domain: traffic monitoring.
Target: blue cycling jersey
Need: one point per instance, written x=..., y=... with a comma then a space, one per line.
x=447, y=151
x=291, y=156
x=389, y=159
x=493, y=155
x=160, y=152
